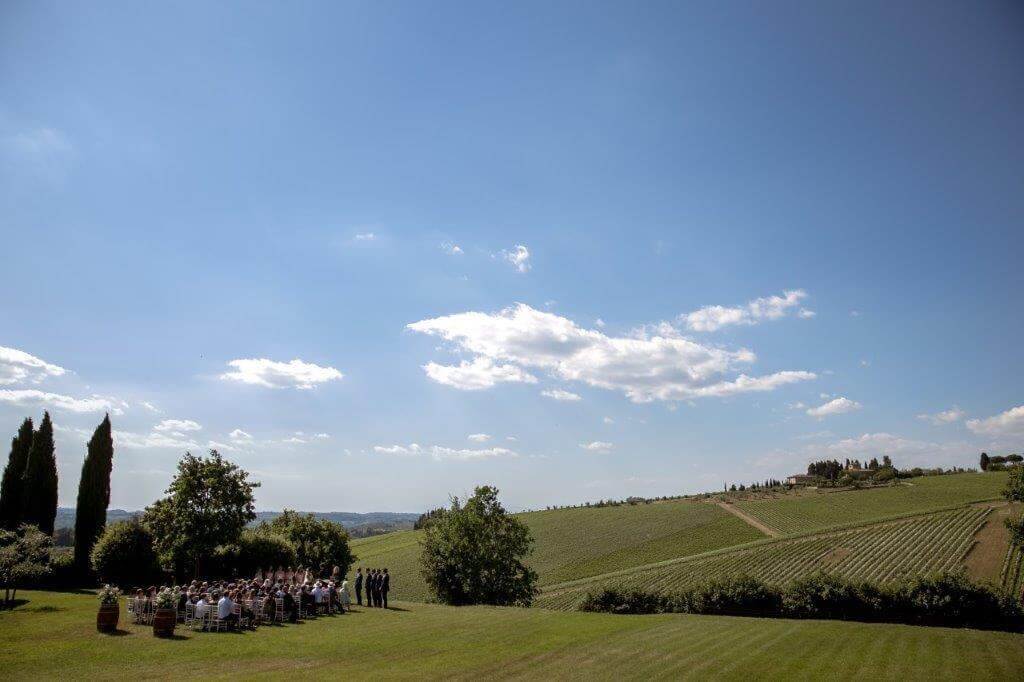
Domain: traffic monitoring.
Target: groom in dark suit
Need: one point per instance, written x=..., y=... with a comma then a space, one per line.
x=359, y=586
x=385, y=585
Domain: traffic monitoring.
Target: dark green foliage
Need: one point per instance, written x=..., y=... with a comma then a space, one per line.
x=949, y=600
x=983, y=462
x=63, y=575
x=319, y=544
x=473, y=554
x=93, y=493
x=430, y=516
x=39, y=494
x=1014, y=492
x=828, y=469
x=24, y=558
x=253, y=551
x=13, y=480
x=125, y=555
x=208, y=504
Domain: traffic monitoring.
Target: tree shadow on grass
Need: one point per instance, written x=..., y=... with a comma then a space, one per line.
x=13, y=604
x=117, y=633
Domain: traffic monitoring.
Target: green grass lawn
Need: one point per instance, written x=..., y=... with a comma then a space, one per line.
x=576, y=543
x=53, y=636
x=817, y=510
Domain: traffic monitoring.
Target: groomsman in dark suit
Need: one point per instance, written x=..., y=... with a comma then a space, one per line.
x=385, y=585
x=359, y=586
x=376, y=587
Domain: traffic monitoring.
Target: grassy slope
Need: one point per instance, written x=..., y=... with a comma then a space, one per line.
x=576, y=543
x=814, y=510
x=880, y=552
x=54, y=637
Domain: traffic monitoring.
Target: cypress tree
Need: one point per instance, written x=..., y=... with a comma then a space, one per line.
x=11, y=485
x=93, y=493
x=40, y=492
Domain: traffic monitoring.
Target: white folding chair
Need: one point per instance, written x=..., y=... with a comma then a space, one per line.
x=279, y=609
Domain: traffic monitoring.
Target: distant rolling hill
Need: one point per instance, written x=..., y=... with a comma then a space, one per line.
x=353, y=521
x=922, y=525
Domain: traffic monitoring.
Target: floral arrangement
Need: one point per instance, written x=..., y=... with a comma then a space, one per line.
x=167, y=598
x=109, y=595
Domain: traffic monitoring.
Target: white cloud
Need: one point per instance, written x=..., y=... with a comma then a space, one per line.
x=151, y=407
x=18, y=366
x=865, y=362
x=519, y=257
x=271, y=374
x=479, y=374
x=798, y=405
x=600, y=323
x=140, y=441
x=714, y=317
x=177, y=425
x=1009, y=423
x=511, y=438
x=806, y=314
x=954, y=414
x=322, y=436
x=478, y=437
x=559, y=394
x=239, y=435
x=649, y=365
x=597, y=446
x=365, y=237
x=608, y=420
x=452, y=249
x=31, y=396
x=439, y=452
x=833, y=407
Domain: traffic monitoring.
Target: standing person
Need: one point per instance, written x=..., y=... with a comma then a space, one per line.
x=371, y=587
x=359, y=586
x=376, y=587
x=385, y=585
x=346, y=600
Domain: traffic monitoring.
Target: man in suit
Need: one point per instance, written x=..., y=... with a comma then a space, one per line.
x=385, y=585
x=373, y=586
x=376, y=587
x=359, y=586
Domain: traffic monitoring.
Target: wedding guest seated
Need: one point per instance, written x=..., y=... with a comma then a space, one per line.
x=225, y=610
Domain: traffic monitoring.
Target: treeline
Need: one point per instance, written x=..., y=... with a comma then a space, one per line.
x=28, y=506
x=949, y=600
x=999, y=462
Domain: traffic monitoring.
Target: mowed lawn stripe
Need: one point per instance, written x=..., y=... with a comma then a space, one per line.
x=53, y=636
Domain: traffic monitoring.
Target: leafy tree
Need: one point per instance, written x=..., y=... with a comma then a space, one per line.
x=428, y=517
x=254, y=550
x=208, y=504
x=124, y=555
x=886, y=461
x=319, y=544
x=39, y=497
x=983, y=463
x=24, y=558
x=1014, y=492
x=473, y=554
x=93, y=493
x=12, y=483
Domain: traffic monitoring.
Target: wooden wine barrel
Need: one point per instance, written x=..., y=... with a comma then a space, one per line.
x=164, y=621
x=106, y=618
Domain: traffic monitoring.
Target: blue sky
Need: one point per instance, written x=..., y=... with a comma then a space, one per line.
x=696, y=243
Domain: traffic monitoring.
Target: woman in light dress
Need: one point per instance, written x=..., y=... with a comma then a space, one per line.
x=346, y=599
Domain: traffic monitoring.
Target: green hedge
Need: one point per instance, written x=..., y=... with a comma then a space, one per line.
x=948, y=599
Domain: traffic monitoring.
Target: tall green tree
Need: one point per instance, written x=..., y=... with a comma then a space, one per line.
x=39, y=496
x=208, y=504
x=473, y=554
x=319, y=544
x=12, y=483
x=93, y=493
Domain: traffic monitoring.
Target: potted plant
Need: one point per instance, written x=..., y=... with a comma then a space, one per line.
x=110, y=610
x=166, y=615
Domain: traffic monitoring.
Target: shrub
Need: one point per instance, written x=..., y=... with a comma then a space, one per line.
x=124, y=555
x=735, y=596
x=886, y=474
x=63, y=574
x=827, y=596
x=253, y=551
x=634, y=601
x=318, y=543
x=952, y=599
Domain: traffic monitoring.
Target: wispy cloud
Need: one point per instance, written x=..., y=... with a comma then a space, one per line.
x=518, y=257
x=438, y=452
x=714, y=317
x=17, y=366
x=559, y=394
x=834, y=407
x=1008, y=423
x=597, y=446
x=57, y=401
x=272, y=374
x=953, y=414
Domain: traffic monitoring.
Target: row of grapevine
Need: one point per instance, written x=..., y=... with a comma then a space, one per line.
x=883, y=552
x=1012, y=574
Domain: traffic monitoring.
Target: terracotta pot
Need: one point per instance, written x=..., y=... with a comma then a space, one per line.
x=164, y=621
x=106, y=618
